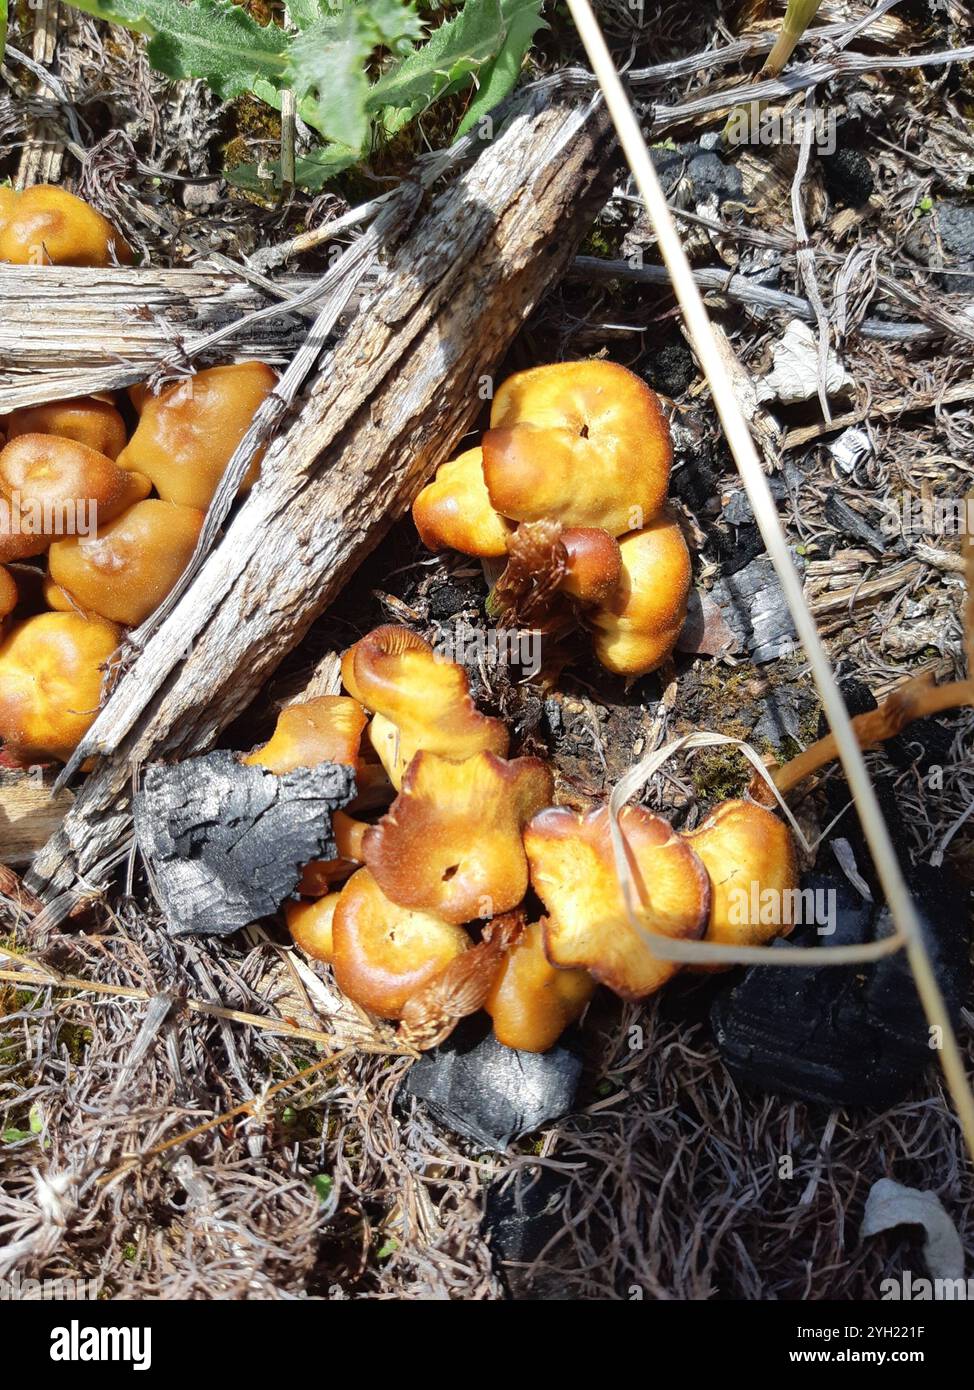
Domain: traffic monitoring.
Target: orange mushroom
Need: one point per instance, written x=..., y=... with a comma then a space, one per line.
x=327, y=729
x=125, y=571
x=420, y=701
x=594, y=564
x=532, y=1002
x=573, y=872
x=87, y=420
x=187, y=434
x=750, y=857
x=50, y=683
x=382, y=952
x=52, y=486
x=45, y=225
x=582, y=443
x=9, y=593
x=453, y=512
x=451, y=841
x=636, y=629
x=311, y=926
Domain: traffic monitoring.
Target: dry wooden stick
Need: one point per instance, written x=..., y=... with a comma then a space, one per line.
x=69, y=331
x=403, y=385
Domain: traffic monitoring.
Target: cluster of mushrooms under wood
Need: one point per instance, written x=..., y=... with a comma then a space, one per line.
x=432, y=922
x=100, y=519
x=569, y=487
x=457, y=885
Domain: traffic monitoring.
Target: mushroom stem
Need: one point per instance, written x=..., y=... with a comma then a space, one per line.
x=915, y=700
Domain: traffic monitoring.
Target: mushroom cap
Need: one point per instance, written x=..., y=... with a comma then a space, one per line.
x=583, y=443
x=50, y=683
x=45, y=225
x=532, y=1002
x=187, y=434
x=87, y=420
x=125, y=571
x=60, y=487
x=453, y=512
x=636, y=629
x=327, y=729
x=420, y=701
x=382, y=952
x=742, y=844
x=573, y=872
x=594, y=564
x=451, y=841
x=9, y=593
x=310, y=924
x=318, y=877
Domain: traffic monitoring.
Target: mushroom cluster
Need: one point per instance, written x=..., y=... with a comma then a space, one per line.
x=97, y=520
x=569, y=485
x=457, y=885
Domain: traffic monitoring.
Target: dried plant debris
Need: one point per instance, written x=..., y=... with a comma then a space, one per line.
x=226, y=843
x=891, y=1205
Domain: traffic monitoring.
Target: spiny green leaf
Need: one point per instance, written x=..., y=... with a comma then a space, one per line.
x=498, y=78
x=455, y=50
x=328, y=64
x=212, y=39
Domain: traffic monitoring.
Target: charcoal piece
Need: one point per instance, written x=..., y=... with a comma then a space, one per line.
x=737, y=510
x=848, y=522
x=944, y=241
x=524, y=1213
x=710, y=177
x=755, y=610
x=492, y=1094
x=848, y=176
x=737, y=548
x=846, y=1035
x=450, y=598
x=671, y=370
x=226, y=842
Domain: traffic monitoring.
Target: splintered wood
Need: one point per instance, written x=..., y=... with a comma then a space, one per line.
x=402, y=387
x=71, y=331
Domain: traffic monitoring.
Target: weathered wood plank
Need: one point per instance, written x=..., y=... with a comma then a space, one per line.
x=65, y=333
x=394, y=397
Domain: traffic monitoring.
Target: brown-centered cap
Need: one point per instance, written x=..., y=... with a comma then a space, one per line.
x=187, y=434
x=750, y=856
x=636, y=629
x=451, y=841
x=582, y=443
x=125, y=571
x=573, y=872
x=453, y=512
x=50, y=683
x=384, y=953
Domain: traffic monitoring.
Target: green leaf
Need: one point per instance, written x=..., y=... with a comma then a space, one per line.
x=324, y=1186
x=498, y=78
x=455, y=50
x=212, y=39
x=3, y=25
x=311, y=173
x=328, y=64
x=14, y=1136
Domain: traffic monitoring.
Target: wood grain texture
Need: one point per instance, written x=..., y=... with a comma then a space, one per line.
x=392, y=399
x=68, y=331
